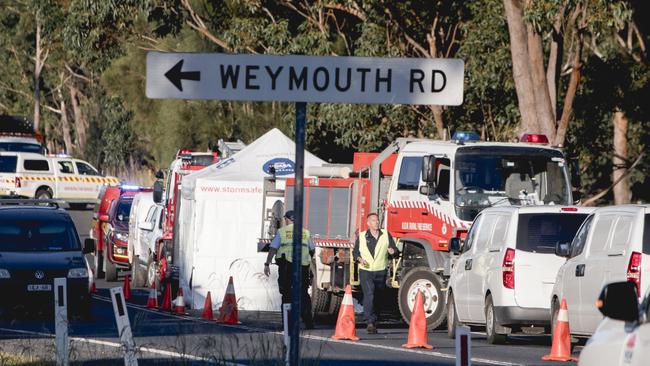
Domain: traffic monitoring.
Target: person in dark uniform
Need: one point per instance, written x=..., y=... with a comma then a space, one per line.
x=282, y=249
x=372, y=250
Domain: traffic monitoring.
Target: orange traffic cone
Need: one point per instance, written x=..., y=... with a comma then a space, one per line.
x=179, y=303
x=167, y=298
x=152, y=301
x=207, y=308
x=345, y=324
x=228, y=309
x=561, y=347
x=418, y=328
x=126, y=288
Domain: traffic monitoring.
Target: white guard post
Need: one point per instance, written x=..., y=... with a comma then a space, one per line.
x=286, y=313
x=124, y=327
x=61, y=321
x=463, y=346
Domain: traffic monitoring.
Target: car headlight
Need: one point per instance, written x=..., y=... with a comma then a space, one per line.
x=121, y=236
x=78, y=273
x=4, y=273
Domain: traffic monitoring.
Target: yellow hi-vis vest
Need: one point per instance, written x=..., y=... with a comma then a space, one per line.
x=380, y=261
x=286, y=244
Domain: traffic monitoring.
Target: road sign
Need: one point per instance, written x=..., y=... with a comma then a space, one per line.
x=61, y=321
x=295, y=78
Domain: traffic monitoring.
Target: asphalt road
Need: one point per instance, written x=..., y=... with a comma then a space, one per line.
x=163, y=338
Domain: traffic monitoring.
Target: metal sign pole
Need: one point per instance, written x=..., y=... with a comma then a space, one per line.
x=294, y=349
x=61, y=321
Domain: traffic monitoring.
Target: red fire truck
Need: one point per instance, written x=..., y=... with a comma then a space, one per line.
x=186, y=162
x=426, y=192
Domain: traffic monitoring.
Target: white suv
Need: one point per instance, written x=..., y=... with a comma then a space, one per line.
x=612, y=245
x=507, y=268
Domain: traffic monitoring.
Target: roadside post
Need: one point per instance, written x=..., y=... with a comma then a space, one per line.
x=463, y=346
x=301, y=79
x=124, y=326
x=61, y=321
x=286, y=314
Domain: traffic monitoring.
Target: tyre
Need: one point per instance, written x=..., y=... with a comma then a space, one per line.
x=422, y=279
x=43, y=194
x=152, y=274
x=491, y=324
x=138, y=274
x=452, y=317
x=335, y=305
x=99, y=264
x=320, y=299
x=110, y=270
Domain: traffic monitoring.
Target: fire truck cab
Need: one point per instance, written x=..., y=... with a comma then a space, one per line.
x=425, y=192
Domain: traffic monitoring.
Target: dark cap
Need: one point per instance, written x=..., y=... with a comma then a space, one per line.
x=289, y=215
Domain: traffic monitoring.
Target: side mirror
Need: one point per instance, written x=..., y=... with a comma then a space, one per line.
x=455, y=245
x=103, y=217
x=89, y=246
x=429, y=169
x=157, y=191
x=619, y=301
x=575, y=174
x=159, y=174
x=562, y=249
x=147, y=226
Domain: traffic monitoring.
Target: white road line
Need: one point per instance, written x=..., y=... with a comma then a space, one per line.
x=324, y=339
x=119, y=345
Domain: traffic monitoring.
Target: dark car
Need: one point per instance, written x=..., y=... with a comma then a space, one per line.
x=39, y=243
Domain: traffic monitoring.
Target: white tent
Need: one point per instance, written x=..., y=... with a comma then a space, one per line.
x=220, y=222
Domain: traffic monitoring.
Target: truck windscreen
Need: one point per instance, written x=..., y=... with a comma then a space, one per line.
x=486, y=177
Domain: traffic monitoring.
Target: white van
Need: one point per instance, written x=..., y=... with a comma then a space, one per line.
x=143, y=222
x=507, y=268
x=612, y=245
x=38, y=176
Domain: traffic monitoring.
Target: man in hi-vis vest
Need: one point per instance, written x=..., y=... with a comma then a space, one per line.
x=282, y=249
x=372, y=250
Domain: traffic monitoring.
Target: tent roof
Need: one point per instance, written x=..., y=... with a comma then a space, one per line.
x=252, y=163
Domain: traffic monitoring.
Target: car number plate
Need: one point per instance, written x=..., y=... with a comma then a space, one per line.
x=39, y=287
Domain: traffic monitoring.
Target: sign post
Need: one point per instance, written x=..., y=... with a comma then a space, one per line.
x=463, y=346
x=61, y=321
x=302, y=79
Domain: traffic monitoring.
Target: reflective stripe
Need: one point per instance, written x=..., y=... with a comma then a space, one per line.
x=563, y=316
x=347, y=300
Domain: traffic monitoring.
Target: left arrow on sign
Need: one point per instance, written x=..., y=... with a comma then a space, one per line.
x=175, y=75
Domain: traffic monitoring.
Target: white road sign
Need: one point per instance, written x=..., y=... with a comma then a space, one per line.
x=296, y=78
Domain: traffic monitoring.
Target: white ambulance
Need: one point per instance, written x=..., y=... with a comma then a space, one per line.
x=44, y=177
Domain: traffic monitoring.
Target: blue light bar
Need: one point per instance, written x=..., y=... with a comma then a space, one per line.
x=466, y=136
x=128, y=187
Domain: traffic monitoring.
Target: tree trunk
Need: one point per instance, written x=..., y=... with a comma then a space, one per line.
x=437, y=117
x=521, y=71
x=80, y=123
x=543, y=106
x=38, y=67
x=622, y=194
x=65, y=128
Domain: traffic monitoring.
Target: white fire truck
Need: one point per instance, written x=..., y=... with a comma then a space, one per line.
x=425, y=192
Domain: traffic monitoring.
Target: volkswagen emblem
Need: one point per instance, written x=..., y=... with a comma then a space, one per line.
x=39, y=275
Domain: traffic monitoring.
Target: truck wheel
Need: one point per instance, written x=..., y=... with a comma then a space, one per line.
x=320, y=299
x=43, y=194
x=452, y=317
x=491, y=324
x=422, y=279
x=152, y=274
x=99, y=264
x=110, y=270
x=335, y=305
x=138, y=275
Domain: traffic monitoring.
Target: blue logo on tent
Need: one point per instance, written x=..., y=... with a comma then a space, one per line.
x=282, y=166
